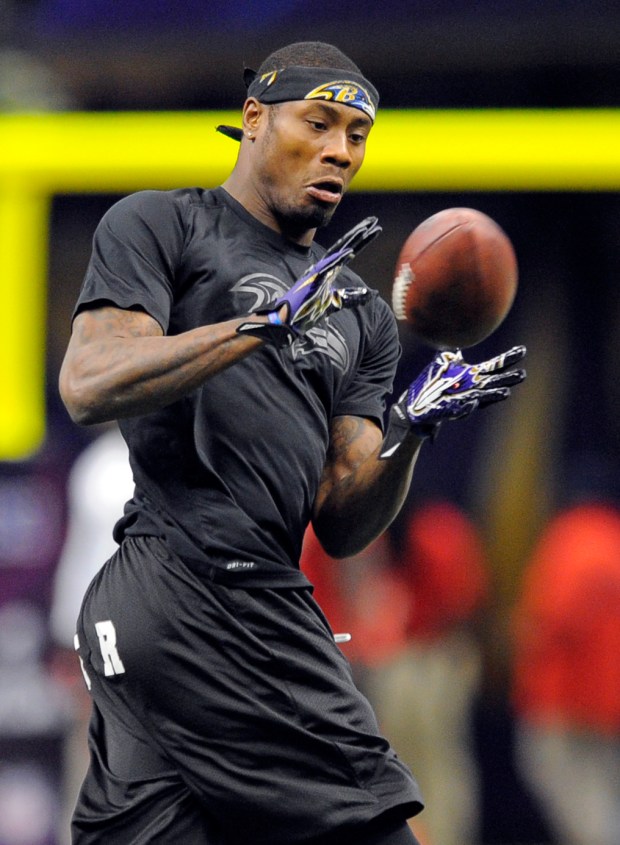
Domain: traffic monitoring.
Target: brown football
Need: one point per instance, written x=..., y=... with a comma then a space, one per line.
x=455, y=279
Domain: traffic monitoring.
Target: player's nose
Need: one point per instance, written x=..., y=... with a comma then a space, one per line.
x=336, y=150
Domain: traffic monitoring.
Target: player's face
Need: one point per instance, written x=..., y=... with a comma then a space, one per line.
x=308, y=153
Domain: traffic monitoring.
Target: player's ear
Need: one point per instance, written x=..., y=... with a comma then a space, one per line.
x=254, y=113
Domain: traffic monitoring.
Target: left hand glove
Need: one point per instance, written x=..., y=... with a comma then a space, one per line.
x=448, y=389
x=313, y=295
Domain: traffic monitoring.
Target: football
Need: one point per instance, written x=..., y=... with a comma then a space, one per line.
x=455, y=278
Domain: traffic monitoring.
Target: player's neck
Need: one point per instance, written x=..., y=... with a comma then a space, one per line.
x=246, y=195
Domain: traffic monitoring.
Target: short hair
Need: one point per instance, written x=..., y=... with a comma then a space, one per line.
x=308, y=54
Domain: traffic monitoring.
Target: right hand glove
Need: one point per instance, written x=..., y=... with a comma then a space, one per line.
x=447, y=389
x=313, y=296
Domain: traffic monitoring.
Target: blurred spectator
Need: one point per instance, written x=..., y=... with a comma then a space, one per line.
x=425, y=694
x=361, y=595
x=415, y=653
x=99, y=484
x=35, y=711
x=31, y=530
x=567, y=673
x=34, y=714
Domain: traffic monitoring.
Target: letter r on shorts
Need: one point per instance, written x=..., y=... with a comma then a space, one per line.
x=112, y=663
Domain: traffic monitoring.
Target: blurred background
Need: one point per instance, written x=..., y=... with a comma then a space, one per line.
x=492, y=487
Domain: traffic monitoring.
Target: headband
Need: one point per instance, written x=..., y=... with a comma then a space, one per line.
x=309, y=83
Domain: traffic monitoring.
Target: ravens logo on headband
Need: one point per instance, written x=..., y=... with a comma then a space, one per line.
x=344, y=92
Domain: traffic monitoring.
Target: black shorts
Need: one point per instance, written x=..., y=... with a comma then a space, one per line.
x=222, y=714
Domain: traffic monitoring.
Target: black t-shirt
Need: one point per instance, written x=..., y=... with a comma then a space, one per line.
x=229, y=473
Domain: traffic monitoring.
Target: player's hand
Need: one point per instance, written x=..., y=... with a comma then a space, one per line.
x=313, y=295
x=447, y=389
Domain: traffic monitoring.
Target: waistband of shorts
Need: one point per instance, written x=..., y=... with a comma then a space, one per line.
x=248, y=574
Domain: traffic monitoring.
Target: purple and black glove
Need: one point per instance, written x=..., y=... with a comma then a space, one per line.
x=313, y=296
x=448, y=389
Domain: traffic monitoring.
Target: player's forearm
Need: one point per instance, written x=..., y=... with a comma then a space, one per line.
x=356, y=506
x=121, y=377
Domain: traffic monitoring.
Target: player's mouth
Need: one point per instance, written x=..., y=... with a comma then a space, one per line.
x=326, y=190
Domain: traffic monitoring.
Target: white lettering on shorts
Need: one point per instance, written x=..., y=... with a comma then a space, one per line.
x=112, y=663
x=241, y=564
x=76, y=646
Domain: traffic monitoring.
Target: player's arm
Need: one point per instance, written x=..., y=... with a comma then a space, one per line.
x=119, y=363
x=366, y=477
x=360, y=494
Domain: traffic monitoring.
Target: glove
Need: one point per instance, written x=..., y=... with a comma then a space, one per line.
x=313, y=296
x=447, y=389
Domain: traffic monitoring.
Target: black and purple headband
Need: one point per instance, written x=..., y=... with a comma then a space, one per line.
x=309, y=83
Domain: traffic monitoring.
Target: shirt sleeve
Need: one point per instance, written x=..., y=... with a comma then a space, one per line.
x=136, y=247
x=373, y=380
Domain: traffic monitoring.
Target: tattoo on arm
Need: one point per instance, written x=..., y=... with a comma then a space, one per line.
x=353, y=441
x=351, y=444
x=107, y=322
x=119, y=363
x=359, y=495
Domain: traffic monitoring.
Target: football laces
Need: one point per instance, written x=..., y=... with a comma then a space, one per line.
x=402, y=282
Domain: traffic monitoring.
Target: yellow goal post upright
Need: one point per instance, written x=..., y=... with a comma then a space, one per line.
x=409, y=150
